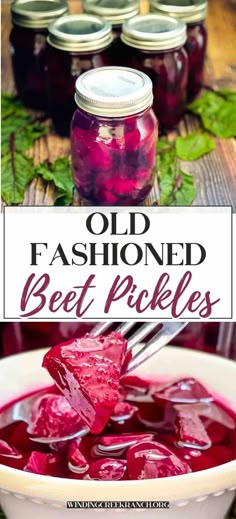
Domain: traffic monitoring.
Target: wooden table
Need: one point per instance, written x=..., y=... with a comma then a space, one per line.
x=215, y=174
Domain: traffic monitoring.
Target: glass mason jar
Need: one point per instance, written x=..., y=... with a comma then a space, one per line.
x=77, y=43
x=155, y=44
x=116, y=13
x=193, y=13
x=28, y=47
x=113, y=136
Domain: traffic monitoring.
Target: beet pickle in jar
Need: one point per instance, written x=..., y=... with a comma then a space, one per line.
x=116, y=13
x=28, y=37
x=193, y=13
x=113, y=136
x=77, y=43
x=156, y=44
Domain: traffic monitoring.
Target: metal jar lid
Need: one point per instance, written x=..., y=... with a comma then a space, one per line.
x=154, y=32
x=115, y=12
x=113, y=91
x=189, y=11
x=80, y=33
x=37, y=14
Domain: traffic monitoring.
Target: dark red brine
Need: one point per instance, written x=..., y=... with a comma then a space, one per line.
x=28, y=47
x=157, y=429
x=193, y=13
x=77, y=43
x=155, y=46
x=113, y=137
x=196, y=49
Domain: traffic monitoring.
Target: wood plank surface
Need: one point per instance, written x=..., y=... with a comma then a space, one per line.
x=215, y=174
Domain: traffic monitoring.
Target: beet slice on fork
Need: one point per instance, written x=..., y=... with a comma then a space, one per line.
x=87, y=371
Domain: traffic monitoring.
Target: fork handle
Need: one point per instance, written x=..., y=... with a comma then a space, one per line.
x=168, y=331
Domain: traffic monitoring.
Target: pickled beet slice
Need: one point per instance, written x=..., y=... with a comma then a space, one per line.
x=41, y=463
x=186, y=390
x=123, y=410
x=76, y=461
x=217, y=414
x=129, y=438
x=133, y=140
x=217, y=421
x=87, y=371
x=107, y=469
x=132, y=381
x=148, y=460
x=99, y=156
x=190, y=429
x=52, y=417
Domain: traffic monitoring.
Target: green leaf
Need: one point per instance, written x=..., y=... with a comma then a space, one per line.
x=164, y=145
x=218, y=114
x=16, y=120
x=13, y=125
x=185, y=191
x=165, y=154
x=2, y=516
x=25, y=139
x=194, y=145
x=17, y=172
x=60, y=174
x=176, y=186
x=228, y=94
x=10, y=104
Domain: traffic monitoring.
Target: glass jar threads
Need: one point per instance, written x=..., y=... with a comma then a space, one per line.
x=156, y=48
x=77, y=43
x=113, y=136
x=193, y=13
x=30, y=20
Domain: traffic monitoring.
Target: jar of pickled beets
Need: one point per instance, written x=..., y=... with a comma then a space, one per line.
x=28, y=47
x=77, y=43
x=193, y=13
x=155, y=46
x=116, y=13
x=113, y=135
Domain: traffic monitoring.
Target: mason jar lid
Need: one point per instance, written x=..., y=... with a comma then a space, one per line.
x=188, y=11
x=80, y=33
x=154, y=32
x=113, y=91
x=37, y=14
x=115, y=14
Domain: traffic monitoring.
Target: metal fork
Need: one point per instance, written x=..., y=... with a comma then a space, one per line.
x=163, y=336
x=21, y=411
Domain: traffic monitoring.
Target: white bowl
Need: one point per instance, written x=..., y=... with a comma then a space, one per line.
x=206, y=494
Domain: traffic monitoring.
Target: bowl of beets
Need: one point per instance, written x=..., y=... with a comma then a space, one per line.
x=164, y=432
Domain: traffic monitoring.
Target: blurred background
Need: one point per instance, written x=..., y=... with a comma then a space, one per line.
x=15, y=337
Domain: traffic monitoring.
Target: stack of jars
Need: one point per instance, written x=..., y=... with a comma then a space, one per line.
x=168, y=45
x=136, y=61
x=50, y=51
